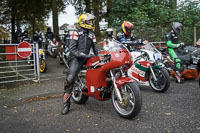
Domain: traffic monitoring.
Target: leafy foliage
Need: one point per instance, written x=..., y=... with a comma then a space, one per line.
x=153, y=18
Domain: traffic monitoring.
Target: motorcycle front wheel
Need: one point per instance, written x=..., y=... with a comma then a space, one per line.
x=54, y=53
x=163, y=80
x=60, y=60
x=132, y=101
x=43, y=66
x=77, y=94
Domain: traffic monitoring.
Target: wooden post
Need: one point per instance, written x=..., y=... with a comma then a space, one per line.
x=195, y=36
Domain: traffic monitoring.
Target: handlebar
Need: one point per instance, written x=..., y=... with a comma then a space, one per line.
x=104, y=60
x=143, y=54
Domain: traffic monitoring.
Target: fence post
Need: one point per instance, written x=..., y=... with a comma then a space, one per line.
x=37, y=61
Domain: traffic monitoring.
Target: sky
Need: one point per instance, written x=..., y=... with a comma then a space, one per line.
x=67, y=17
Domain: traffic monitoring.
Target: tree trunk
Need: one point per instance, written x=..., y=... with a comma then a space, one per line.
x=95, y=5
x=55, y=20
x=13, y=25
x=33, y=26
x=195, y=36
x=55, y=23
x=109, y=8
x=88, y=6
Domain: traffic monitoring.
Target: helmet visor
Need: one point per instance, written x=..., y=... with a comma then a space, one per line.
x=90, y=19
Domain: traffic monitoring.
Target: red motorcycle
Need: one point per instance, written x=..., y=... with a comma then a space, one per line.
x=104, y=77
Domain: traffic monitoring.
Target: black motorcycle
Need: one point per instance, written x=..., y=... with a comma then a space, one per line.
x=190, y=61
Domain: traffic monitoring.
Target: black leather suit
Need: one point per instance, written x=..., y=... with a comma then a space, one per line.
x=49, y=35
x=80, y=44
x=128, y=40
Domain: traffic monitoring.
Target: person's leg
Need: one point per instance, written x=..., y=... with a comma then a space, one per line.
x=74, y=69
x=178, y=67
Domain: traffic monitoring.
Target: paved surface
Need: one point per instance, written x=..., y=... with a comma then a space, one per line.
x=33, y=107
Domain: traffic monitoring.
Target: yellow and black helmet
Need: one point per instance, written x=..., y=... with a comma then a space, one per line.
x=83, y=21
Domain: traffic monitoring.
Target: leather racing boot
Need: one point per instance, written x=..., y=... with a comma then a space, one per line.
x=66, y=105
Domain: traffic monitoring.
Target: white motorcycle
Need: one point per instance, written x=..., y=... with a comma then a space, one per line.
x=52, y=47
x=148, y=69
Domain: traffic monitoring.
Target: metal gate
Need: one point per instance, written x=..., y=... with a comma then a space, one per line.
x=14, y=69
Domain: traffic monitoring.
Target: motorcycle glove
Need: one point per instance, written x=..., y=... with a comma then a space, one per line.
x=83, y=55
x=182, y=44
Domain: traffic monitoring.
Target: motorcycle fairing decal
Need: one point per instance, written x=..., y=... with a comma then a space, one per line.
x=140, y=67
x=122, y=80
x=136, y=73
x=145, y=63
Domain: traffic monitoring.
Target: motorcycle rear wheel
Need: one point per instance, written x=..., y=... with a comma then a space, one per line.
x=132, y=101
x=163, y=80
x=77, y=94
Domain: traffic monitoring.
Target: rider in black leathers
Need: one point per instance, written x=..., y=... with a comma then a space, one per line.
x=126, y=37
x=38, y=37
x=26, y=37
x=80, y=44
x=49, y=34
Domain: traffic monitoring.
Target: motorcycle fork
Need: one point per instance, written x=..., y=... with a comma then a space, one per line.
x=154, y=76
x=115, y=87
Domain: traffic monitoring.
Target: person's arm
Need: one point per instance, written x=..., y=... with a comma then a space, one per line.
x=169, y=42
x=119, y=36
x=94, y=46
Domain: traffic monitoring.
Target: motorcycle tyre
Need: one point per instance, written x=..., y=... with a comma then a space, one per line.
x=54, y=54
x=138, y=102
x=45, y=65
x=167, y=77
x=82, y=98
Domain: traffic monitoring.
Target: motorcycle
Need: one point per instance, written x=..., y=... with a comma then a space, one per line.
x=190, y=60
x=52, y=46
x=42, y=60
x=42, y=57
x=148, y=69
x=104, y=77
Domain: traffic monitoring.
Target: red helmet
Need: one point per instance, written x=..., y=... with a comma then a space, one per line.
x=127, y=27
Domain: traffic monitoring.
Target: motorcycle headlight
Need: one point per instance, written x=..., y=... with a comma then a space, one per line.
x=157, y=56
